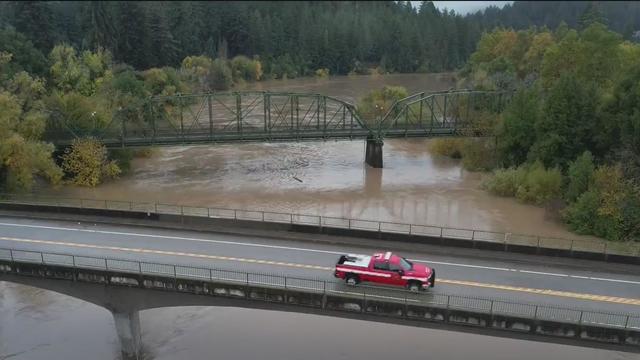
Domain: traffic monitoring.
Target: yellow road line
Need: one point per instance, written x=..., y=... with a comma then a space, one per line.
x=580, y=296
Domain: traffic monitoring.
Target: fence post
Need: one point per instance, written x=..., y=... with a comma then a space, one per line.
x=535, y=314
x=580, y=320
x=41, y=258
x=285, y=282
x=441, y=229
x=491, y=309
x=211, y=274
x=105, y=205
x=349, y=224
x=263, y=221
x=235, y=216
x=11, y=255
x=626, y=323
x=139, y=267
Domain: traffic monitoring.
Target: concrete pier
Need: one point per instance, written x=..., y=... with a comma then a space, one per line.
x=128, y=329
x=373, y=155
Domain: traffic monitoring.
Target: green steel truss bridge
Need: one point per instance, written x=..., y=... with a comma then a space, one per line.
x=270, y=116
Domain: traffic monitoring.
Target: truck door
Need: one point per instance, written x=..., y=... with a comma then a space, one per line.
x=397, y=272
x=386, y=276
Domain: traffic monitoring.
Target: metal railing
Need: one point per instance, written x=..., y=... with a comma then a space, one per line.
x=319, y=286
x=494, y=237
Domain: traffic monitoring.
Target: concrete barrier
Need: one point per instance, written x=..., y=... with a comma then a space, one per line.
x=211, y=224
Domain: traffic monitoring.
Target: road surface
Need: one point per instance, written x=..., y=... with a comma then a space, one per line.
x=595, y=286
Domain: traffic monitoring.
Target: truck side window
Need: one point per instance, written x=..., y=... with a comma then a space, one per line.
x=394, y=267
x=381, y=265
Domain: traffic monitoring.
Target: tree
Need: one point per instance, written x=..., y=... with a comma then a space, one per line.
x=164, y=48
x=34, y=19
x=87, y=163
x=580, y=176
x=102, y=31
x=134, y=46
x=24, y=55
x=515, y=132
x=22, y=155
x=566, y=128
x=591, y=15
x=375, y=104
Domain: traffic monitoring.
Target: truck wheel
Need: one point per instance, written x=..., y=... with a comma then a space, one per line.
x=352, y=279
x=414, y=286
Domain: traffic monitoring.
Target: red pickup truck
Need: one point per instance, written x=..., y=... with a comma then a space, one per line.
x=384, y=268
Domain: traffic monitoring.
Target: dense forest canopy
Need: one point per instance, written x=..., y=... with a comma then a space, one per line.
x=290, y=38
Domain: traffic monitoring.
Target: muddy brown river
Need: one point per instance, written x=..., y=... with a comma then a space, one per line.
x=328, y=178
x=325, y=178
x=41, y=325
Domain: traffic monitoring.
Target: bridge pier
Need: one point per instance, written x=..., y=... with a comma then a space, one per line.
x=128, y=329
x=373, y=154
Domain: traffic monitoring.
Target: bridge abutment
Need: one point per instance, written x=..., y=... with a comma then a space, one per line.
x=373, y=154
x=128, y=329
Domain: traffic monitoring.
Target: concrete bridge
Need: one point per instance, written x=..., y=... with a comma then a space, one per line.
x=270, y=116
x=126, y=287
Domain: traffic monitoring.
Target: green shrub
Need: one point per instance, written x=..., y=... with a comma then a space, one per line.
x=540, y=185
x=478, y=154
x=243, y=68
x=451, y=147
x=580, y=176
x=86, y=162
x=322, y=73
x=528, y=183
x=505, y=182
x=580, y=215
x=123, y=158
x=219, y=77
x=376, y=104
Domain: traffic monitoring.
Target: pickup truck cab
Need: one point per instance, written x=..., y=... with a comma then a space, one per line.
x=384, y=268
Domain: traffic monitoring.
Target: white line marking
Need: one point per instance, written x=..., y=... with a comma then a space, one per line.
x=307, y=250
x=543, y=273
x=460, y=265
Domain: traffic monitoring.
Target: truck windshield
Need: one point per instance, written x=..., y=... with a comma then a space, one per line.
x=406, y=264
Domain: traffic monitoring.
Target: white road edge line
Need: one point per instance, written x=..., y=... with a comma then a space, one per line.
x=308, y=250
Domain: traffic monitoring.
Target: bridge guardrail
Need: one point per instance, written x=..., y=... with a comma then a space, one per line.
x=506, y=239
x=318, y=286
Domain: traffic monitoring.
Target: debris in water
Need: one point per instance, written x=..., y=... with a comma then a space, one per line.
x=295, y=177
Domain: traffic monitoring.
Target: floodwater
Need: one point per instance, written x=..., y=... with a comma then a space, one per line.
x=328, y=178
x=42, y=325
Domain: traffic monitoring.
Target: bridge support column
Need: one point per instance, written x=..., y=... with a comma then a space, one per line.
x=373, y=154
x=128, y=329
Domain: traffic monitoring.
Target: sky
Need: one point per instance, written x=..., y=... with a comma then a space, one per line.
x=464, y=7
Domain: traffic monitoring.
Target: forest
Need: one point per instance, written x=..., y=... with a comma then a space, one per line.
x=289, y=38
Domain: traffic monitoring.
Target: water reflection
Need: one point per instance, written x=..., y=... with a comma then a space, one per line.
x=75, y=330
x=325, y=178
